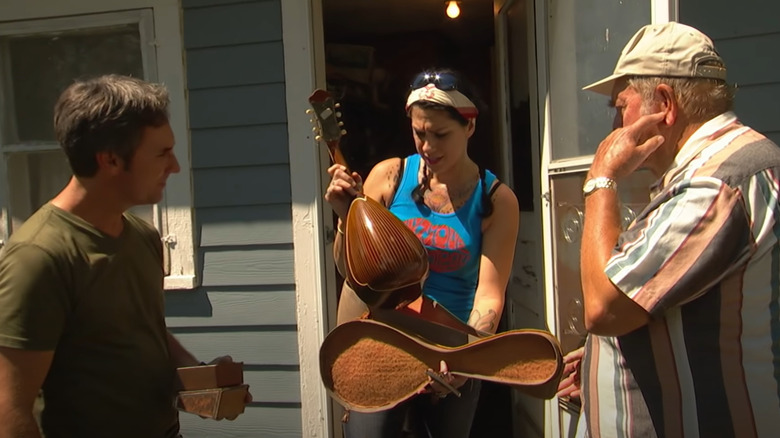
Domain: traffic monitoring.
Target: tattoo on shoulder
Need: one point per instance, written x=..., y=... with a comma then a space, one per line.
x=486, y=322
x=394, y=176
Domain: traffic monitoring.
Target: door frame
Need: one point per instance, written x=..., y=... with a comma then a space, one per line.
x=304, y=55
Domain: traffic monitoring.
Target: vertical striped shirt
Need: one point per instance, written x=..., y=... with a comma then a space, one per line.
x=703, y=259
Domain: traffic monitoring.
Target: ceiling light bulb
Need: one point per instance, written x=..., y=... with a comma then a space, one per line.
x=453, y=10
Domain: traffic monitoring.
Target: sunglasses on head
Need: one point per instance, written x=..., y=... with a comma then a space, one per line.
x=442, y=81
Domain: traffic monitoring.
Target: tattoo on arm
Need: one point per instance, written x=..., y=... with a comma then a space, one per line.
x=486, y=322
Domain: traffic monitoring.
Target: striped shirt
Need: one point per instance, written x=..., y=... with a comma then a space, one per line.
x=702, y=259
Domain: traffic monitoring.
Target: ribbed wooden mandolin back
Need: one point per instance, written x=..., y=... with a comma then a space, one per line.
x=382, y=253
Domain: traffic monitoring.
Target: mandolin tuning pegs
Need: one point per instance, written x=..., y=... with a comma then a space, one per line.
x=341, y=123
x=309, y=111
x=337, y=105
x=318, y=137
x=343, y=132
x=338, y=115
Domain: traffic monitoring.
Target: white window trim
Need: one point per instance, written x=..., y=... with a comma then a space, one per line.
x=175, y=216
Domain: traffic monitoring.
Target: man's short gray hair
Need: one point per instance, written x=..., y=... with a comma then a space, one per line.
x=700, y=99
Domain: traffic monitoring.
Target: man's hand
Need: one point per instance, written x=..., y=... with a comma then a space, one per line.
x=229, y=359
x=570, y=384
x=626, y=148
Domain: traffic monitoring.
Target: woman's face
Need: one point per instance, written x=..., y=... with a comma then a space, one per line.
x=439, y=139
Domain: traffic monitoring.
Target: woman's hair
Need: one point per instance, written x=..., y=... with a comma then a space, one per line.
x=106, y=114
x=467, y=89
x=700, y=99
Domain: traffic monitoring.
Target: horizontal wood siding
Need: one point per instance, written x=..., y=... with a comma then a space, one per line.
x=232, y=306
x=759, y=106
x=236, y=186
x=747, y=36
x=237, y=106
x=235, y=65
x=245, y=225
x=241, y=267
x=219, y=147
x=266, y=347
x=263, y=422
x=245, y=306
x=227, y=24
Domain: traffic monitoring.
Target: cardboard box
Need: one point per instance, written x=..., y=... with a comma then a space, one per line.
x=216, y=403
x=220, y=375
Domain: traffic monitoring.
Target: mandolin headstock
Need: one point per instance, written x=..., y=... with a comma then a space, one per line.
x=327, y=126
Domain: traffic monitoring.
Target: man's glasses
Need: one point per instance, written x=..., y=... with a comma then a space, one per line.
x=442, y=81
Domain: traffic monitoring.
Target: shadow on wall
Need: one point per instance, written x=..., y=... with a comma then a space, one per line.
x=188, y=303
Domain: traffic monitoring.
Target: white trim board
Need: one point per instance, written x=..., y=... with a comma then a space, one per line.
x=311, y=261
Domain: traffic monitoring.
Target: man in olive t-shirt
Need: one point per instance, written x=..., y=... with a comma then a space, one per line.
x=81, y=282
x=95, y=300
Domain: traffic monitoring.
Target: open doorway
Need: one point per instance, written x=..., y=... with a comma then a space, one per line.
x=372, y=51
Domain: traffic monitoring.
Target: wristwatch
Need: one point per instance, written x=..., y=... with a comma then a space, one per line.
x=600, y=182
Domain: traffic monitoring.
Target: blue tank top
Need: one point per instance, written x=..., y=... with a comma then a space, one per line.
x=453, y=240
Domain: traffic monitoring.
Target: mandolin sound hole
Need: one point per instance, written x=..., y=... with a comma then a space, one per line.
x=371, y=373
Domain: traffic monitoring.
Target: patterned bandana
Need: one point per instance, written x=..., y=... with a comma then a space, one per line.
x=453, y=98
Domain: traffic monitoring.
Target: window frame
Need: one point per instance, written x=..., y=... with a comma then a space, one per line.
x=159, y=24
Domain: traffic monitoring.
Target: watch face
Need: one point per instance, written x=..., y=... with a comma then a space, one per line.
x=597, y=183
x=589, y=186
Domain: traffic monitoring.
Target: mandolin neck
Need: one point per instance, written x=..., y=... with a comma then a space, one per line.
x=336, y=157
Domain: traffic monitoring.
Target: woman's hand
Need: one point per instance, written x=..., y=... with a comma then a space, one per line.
x=450, y=383
x=343, y=188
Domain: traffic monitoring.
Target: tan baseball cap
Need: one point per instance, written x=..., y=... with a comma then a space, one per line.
x=667, y=49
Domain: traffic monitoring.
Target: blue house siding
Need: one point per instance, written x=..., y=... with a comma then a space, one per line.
x=245, y=306
x=747, y=37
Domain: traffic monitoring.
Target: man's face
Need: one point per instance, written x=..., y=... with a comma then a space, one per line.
x=153, y=161
x=627, y=103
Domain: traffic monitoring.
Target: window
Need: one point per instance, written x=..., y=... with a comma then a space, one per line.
x=39, y=57
x=585, y=40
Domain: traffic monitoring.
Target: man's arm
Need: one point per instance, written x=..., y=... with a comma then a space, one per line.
x=179, y=355
x=608, y=311
x=22, y=373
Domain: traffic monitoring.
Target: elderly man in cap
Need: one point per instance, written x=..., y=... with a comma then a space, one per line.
x=682, y=307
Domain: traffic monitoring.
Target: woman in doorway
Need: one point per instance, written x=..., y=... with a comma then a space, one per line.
x=468, y=222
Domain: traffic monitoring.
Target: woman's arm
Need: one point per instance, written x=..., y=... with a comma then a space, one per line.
x=499, y=236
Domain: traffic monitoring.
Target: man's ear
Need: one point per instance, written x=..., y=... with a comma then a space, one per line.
x=109, y=162
x=665, y=97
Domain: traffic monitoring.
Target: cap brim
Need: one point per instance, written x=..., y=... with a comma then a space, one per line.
x=605, y=85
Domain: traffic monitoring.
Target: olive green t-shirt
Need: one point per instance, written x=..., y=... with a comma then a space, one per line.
x=97, y=301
